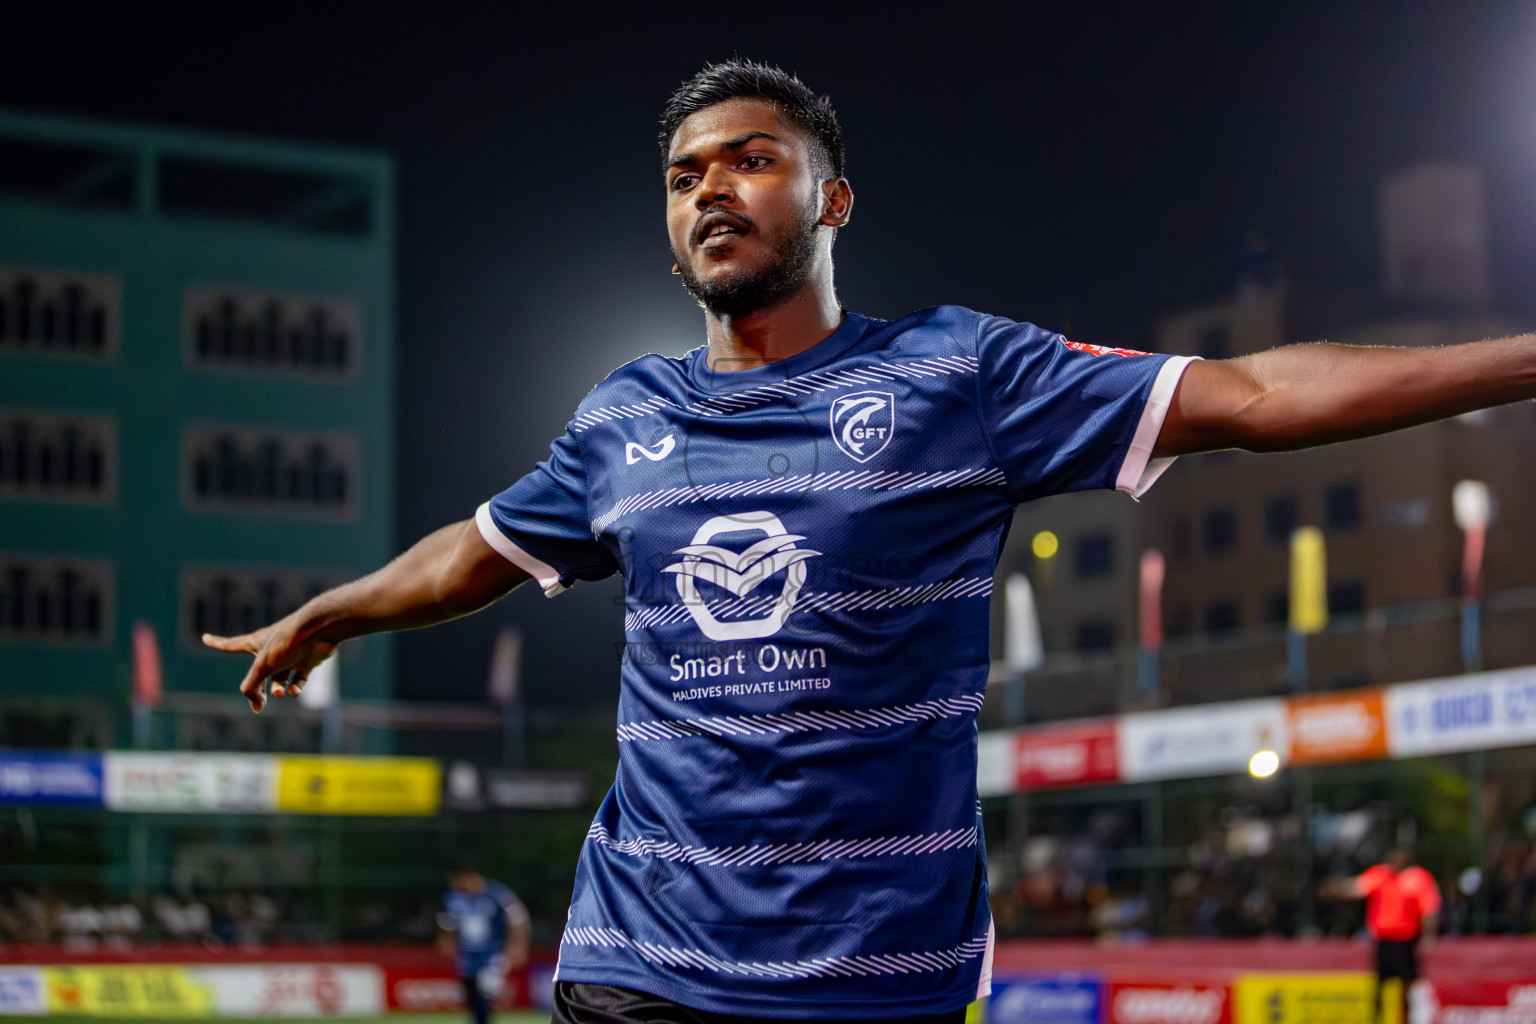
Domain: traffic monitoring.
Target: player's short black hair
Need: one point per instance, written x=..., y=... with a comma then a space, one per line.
x=792, y=99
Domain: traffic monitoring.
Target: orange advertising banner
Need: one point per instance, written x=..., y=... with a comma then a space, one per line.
x=1349, y=726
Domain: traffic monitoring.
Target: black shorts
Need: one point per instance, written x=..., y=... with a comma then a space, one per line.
x=576, y=1002
x=1397, y=958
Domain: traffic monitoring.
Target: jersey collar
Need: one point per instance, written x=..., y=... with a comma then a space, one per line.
x=824, y=351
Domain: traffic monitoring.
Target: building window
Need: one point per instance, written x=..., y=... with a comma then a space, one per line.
x=66, y=601
x=1095, y=555
x=233, y=329
x=58, y=314
x=1182, y=537
x=1346, y=597
x=52, y=457
x=1277, y=607
x=1214, y=343
x=230, y=599
x=1341, y=506
x=312, y=474
x=1095, y=636
x=1280, y=518
x=1222, y=617
x=1218, y=532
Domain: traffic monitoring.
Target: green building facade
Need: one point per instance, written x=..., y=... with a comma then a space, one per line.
x=196, y=404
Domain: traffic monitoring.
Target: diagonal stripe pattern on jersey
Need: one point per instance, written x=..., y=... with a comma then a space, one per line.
x=807, y=573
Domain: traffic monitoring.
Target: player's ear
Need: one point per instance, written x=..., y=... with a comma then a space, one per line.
x=836, y=202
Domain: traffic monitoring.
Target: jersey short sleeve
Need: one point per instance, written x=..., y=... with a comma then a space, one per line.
x=541, y=524
x=1065, y=416
x=1373, y=878
x=511, y=906
x=1425, y=891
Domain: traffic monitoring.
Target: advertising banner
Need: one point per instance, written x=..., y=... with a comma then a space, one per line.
x=130, y=990
x=1068, y=755
x=1338, y=727
x=293, y=990
x=138, y=781
x=442, y=991
x=996, y=774
x=1156, y=1001
x=1335, y=997
x=50, y=777
x=21, y=992
x=1212, y=739
x=1473, y=1001
x=467, y=787
x=358, y=785
x=1474, y=712
x=1063, y=998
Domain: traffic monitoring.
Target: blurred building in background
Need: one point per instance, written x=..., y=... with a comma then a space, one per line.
x=196, y=412
x=1085, y=845
x=1224, y=521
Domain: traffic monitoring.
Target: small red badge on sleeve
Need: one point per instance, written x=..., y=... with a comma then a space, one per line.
x=1100, y=350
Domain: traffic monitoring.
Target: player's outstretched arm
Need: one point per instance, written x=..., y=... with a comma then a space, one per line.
x=1306, y=395
x=446, y=574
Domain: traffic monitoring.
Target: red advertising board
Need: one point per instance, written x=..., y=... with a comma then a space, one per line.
x=1067, y=755
x=1159, y=1001
x=1474, y=1000
x=424, y=990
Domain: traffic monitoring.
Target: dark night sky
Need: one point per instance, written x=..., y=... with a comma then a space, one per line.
x=1087, y=166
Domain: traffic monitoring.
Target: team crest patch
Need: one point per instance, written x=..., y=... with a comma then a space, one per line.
x=862, y=423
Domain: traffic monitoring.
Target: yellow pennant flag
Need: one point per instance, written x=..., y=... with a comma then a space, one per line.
x=1309, y=581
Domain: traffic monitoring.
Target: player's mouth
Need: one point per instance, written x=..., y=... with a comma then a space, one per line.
x=720, y=228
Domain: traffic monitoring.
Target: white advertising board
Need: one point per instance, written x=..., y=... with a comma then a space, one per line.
x=1213, y=739
x=1475, y=712
x=294, y=990
x=136, y=781
x=995, y=771
x=21, y=992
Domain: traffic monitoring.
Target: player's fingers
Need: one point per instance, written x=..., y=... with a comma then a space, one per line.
x=254, y=687
x=246, y=644
x=288, y=684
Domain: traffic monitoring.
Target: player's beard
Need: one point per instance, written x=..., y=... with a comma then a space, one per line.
x=741, y=292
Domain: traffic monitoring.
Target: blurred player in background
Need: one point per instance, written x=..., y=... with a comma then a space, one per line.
x=1402, y=907
x=485, y=930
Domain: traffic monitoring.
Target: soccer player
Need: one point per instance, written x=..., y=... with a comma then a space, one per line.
x=1402, y=908
x=807, y=513
x=484, y=927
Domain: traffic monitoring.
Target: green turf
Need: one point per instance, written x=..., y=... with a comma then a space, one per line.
x=520, y=1017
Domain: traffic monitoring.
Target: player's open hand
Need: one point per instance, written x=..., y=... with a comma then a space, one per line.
x=283, y=655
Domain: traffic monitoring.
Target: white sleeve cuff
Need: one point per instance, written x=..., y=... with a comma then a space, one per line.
x=1140, y=470
x=547, y=577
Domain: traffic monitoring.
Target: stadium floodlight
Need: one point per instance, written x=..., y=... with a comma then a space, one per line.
x=1045, y=545
x=1263, y=764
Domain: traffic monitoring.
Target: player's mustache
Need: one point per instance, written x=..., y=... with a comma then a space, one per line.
x=718, y=212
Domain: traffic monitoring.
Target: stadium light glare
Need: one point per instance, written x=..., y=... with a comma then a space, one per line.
x=1045, y=544
x=1263, y=764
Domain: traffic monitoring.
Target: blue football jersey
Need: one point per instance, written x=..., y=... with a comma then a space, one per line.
x=808, y=551
x=479, y=922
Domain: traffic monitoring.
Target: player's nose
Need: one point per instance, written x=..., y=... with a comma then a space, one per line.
x=718, y=186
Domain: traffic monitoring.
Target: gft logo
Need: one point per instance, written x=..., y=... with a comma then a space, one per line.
x=741, y=572
x=862, y=423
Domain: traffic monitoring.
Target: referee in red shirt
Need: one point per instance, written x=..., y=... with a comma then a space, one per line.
x=1402, y=906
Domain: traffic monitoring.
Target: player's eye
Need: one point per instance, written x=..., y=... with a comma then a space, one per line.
x=753, y=162
x=684, y=181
